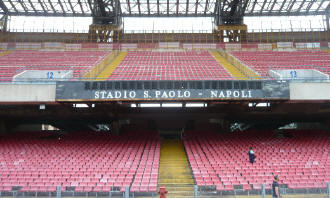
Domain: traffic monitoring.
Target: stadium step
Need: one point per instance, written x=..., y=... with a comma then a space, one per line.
x=174, y=170
x=237, y=74
x=106, y=73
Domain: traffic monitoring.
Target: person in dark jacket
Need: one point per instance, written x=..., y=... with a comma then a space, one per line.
x=276, y=187
x=252, y=156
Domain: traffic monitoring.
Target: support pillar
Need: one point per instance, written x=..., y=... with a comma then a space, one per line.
x=328, y=189
x=58, y=190
x=104, y=33
x=232, y=33
x=263, y=191
x=127, y=192
x=195, y=191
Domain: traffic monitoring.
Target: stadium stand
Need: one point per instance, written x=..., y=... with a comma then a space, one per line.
x=19, y=60
x=301, y=161
x=169, y=65
x=83, y=162
x=263, y=61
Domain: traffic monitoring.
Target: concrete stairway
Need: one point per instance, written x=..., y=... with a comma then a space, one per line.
x=106, y=73
x=237, y=74
x=174, y=170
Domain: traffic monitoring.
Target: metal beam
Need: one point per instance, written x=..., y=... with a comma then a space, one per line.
x=263, y=5
x=72, y=8
x=158, y=7
x=301, y=5
x=253, y=6
x=32, y=6
x=196, y=6
x=206, y=6
x=280, y=10
x=148, y=5
x=81, y=7
x=51, y=5
x=168, y=7
x=290, y=7
x=23, y=5
x=187, y=7
x=59, y=1
x=177, y=7
x=11, y=3
x=272, y=7
x=129, y=6
x=3, y=7
x=139, y=8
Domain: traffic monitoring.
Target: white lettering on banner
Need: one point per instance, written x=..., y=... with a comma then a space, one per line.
x=53, y=45
x=73, y=46
x=284, y=44
x=105, y=46
x=233, y=46
x=307, y=45
x=28, y=45
x=3, y=45
x=231, y=94
x=265, y=46
x=128, y=45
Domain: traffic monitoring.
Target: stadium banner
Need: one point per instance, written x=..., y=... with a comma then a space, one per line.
x=199, y=46
x=105, y=46
x=73, y=46
x=169, y=45
x=265, y=46
x=307, y=45
x=3, y=46
x=89, y=46
x=232, y=47
x=128, y=46
x=53, y=45
x=119, y=90
x=284, y=45
x=28, y=45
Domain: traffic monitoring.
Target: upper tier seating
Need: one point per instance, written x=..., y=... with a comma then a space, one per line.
x=183, y=65
x=20, y=60
x=302, y=161
x=263, y=61
x=90, y=162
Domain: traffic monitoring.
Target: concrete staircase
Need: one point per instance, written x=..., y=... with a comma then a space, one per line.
x=174, y=170
x=106, y=73
x=237, y=74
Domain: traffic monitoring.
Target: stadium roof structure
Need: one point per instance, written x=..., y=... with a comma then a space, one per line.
x=162, y=8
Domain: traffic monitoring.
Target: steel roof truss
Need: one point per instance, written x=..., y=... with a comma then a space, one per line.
x=72, y=8
x=81, y=7
x=280, y=10
x=301, y=5
x=206, y=6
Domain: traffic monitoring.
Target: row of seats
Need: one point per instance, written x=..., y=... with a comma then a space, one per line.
x=86, y=161
x=77, y=61
x=263, y=61
x=182, y=65
x=222, y=159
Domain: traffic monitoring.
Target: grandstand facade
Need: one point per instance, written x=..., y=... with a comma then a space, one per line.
x=113, y=113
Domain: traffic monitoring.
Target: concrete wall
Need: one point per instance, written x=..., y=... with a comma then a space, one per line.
x=310, y=91
x=27, y=93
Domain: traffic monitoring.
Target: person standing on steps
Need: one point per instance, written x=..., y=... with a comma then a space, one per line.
x=162, y=192
x=276, y=187
x=252, y=156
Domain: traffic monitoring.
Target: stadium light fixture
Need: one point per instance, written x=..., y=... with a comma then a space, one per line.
x=80, y=105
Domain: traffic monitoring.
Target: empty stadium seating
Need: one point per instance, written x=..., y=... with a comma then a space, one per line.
x=20, y=60
x=180, y=65
x=89, y=162
x=263, y=61
x=301, y=161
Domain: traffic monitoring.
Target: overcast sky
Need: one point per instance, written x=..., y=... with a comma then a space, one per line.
x=81, y=24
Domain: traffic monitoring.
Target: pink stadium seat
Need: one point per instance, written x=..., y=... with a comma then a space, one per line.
x=301, y=161
x=263, y=61
x=19, y=60
x=89, y=161
x=182, y=65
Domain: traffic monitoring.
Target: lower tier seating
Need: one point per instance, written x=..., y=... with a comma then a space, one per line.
x=85, y=162
x=301, y=160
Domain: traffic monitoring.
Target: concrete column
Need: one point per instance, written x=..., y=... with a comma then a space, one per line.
x=195, y=191
x=263, y=191
x=127, y=192
x=58, y=195
x=328, y=189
